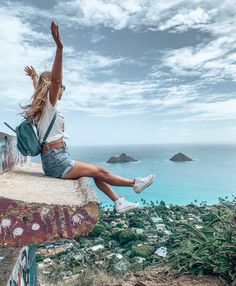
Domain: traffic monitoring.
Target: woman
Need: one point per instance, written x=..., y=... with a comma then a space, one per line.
x=54, y=154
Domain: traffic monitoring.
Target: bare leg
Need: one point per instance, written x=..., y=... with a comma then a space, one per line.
x=82, y=169
x=106, y=188
x=115, y=180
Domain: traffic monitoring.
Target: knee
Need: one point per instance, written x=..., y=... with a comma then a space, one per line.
x=96, y=180
x=102, y=173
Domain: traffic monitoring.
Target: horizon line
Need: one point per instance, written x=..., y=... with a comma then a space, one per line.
x=167, y=143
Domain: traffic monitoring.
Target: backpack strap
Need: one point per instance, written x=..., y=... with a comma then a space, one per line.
x=49, y=128
x=10, y=127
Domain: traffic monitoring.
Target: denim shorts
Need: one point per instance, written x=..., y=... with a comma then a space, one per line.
x=56, y=162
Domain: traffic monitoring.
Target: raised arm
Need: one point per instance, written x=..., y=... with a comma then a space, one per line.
x=30, y=71
x=56, y=74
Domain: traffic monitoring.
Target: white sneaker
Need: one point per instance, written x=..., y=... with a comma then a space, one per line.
x=141, y=183
x=123, y=206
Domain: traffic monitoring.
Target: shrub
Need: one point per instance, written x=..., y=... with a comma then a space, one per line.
x=124, y=236
x=97, y=230
x=142, y=250
x=209, y=251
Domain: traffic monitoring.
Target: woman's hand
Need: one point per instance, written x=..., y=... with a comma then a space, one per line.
x=30, y=71
x=56, y=35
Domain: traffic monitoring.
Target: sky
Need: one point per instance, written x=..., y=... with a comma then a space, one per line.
x=135, y=71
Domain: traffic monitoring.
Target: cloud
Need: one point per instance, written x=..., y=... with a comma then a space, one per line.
x=207, y=111
x=133, y=14
x=186, y=20
x=17, y=47
x=87, y=64
x=213, y=61
x=173, y=15
x=97, y=37
x=92, y=78
x=166, y=128
x=232, y=128
x=214, y=110
x=215, y=55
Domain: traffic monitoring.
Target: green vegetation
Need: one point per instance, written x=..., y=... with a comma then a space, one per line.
x=197, y=239
x=124, y=236
x=211, y=250
x=142, y=251
x=97, y=230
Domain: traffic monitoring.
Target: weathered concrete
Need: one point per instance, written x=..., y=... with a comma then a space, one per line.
x=35, y=208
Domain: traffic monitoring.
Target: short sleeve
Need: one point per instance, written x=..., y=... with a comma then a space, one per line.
x=49, y=103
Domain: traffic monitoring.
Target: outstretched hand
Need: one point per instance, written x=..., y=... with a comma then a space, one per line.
x=56, y=35
x=30, y=71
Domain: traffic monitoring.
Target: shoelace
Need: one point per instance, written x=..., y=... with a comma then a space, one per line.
x=142, y=179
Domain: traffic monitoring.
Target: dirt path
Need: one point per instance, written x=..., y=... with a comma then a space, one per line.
x=160, y=277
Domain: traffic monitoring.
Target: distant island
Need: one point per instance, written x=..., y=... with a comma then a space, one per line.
x=123, y=158
x=180, y=157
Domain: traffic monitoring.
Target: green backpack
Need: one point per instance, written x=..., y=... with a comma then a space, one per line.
x=27, y=141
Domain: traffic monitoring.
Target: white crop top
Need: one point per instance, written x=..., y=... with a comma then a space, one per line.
x=57, y=130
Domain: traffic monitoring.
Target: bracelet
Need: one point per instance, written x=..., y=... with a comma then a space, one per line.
x=34, y=75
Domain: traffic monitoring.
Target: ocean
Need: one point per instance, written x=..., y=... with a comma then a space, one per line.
x=209, y=176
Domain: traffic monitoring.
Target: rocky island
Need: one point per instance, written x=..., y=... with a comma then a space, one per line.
x=123, y=158
x=180, y=157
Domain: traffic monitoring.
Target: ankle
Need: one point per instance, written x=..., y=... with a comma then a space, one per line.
x=133, y=182
x=119, y=199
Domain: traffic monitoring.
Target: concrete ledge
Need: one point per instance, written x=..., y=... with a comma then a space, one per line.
x=35, y=208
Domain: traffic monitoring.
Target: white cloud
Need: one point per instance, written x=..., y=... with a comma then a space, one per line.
x=161, y=92
x=166, y=128
x=133, y=14
x=95, y=12
x=222, y=110
x=204, y=59
x=88, y=62
x=97, y=37
x=186, y=20
x=232, y=128
x=18, y=50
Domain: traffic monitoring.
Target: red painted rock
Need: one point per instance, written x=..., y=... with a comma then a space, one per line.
x=35, y=208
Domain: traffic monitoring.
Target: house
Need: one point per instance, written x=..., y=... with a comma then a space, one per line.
x=96, y=247
x=49, y=246
x=140, y=259
x=78, y=257
x=138, y=230
x=118, y=255
x=161, y=251
x=47, y=261
x=157, y=219
x=160, y=226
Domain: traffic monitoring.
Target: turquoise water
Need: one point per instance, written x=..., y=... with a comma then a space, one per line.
x=211, y=175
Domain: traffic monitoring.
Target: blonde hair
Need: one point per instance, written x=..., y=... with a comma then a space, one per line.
x=34, y=110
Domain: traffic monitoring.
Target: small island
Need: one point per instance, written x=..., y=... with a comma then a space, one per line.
x=123, y=158
x=180, y=157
